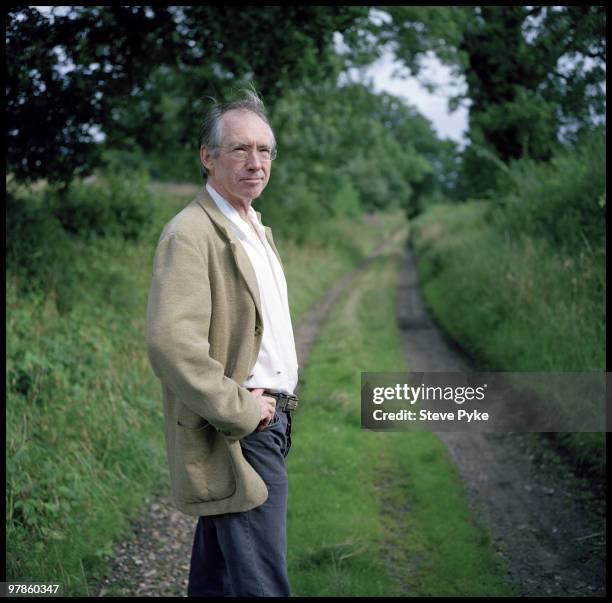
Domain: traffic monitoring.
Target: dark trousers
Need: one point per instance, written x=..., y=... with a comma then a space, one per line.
x=245, y=554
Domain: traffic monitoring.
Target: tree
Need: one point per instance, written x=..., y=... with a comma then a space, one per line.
x=521, y=98
x=62, y=72
x=81, y=72
x=351, y=148
x=535, y=75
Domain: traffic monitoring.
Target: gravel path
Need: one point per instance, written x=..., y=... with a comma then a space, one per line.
x=153, y=560
x=547, y=524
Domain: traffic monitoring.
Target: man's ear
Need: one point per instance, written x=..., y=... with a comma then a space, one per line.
x=206, y=158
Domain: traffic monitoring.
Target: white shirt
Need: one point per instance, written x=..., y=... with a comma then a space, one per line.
x=276, y=367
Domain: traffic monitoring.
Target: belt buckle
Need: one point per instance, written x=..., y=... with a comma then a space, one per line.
x=287, y=402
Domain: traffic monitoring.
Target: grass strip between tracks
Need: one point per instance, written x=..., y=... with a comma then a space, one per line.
x=374, y=514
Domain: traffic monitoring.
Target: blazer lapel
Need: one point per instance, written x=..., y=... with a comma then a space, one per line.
x=242, y=261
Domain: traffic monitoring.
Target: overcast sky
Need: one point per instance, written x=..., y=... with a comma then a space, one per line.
x=433, y=106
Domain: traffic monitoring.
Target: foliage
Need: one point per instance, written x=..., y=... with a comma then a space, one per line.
x=83, y=443
x=37, y=247
x=564, y=200
x=415, y=31
x=141, y=76
x=535, y=75
x=344, y=149
x=118, y=205
x=82, y=447
x=44, y=228
x=520, y=284
x=513, y=301
x=75, y=73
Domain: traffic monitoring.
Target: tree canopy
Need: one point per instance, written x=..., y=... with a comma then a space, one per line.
x=535, y=75
x=139, y=78
x=82, y=70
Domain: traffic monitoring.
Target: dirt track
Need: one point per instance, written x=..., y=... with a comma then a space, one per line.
x=547, y=524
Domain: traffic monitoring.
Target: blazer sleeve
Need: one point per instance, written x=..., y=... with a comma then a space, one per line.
x=178, y=320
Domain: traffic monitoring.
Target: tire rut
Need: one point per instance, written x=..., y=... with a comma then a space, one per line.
x=547, y=524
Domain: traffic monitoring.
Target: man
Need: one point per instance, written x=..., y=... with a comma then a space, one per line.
x=220, y=339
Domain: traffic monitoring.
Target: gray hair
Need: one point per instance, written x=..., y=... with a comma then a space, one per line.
x=212, y=124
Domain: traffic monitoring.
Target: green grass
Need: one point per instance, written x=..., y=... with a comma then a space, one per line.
x=514, y=301
x=85, y=441
x=374, y=514
x=312, y=269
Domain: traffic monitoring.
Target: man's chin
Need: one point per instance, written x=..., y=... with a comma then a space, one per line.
x=254, y=190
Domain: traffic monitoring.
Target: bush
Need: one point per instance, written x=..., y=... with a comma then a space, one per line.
x=37, y=248
x=51, y=246
x=178, y=165
x=117, y=206
x=563, y=200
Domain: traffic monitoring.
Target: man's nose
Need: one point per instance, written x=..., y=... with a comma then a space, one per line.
x=254, y=162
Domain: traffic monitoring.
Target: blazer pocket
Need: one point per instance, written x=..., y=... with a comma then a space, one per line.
x=189, y=419
x=201, y=424
x=203, y=466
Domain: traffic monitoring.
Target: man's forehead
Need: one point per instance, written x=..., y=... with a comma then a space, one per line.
x=245, y=125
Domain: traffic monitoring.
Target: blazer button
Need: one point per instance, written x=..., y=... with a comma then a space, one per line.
x=257, y=330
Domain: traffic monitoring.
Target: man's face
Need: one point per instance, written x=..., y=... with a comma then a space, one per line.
x=240, y=173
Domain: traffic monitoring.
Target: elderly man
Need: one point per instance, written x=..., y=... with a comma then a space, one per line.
x=220, y=339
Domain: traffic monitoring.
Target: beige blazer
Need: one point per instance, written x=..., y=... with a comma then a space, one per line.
x=203, y=333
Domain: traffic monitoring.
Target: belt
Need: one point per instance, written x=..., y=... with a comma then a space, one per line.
x=286, y=402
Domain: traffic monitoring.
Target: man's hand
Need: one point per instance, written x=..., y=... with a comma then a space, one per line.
x=268, y=406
